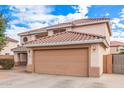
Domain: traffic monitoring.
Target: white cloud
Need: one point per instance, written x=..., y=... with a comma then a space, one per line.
x=82, y=10
x=116, y=22
x=122, y=14
x=107, y=14
x=117, y=34
x=42, y=13
x=37, y=25
x=32, y=9
x=40, y=16
x=30, y=13
x=120, y=25
x=14, y=31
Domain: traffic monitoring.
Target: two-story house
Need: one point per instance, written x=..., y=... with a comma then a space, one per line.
x=72, y=48
x=10, y=44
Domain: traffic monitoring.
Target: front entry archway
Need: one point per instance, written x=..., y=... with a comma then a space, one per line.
x=20, y=59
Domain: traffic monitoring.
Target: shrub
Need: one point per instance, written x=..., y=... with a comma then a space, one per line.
x=7, y=63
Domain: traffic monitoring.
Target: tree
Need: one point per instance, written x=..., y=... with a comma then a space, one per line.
x=3, y=26
x=121, y=50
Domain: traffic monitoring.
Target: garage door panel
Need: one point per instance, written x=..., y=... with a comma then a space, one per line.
x=65, y=62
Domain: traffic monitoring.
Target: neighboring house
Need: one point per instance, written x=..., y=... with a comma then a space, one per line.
x=10, y=44
x=115, y=47
x=72, y=48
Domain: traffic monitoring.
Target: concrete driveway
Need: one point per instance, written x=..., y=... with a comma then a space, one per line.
x=21, y=79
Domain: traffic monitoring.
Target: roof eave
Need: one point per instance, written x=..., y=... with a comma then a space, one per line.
x=68, y=43
x=31, y=33
x=116, y=45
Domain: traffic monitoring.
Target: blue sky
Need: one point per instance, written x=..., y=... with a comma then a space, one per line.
x=25, y=18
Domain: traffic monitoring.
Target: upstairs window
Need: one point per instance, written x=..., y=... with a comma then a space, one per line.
x=59, y=30
x=41, y=35
x=6, y=53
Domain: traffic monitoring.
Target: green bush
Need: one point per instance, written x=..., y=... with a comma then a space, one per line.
x=7, y=63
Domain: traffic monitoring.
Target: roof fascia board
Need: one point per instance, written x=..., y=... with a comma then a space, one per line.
x=32, y=33
x=68, y=43
x=109, y=28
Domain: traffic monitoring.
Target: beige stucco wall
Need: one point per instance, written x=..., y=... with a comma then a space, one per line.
x=8, y=47
x=69, y=29
x=30, y=56
x=96, y=56
x=30, y=60
x=50, y=33
x=30, y=38
x=98, y=29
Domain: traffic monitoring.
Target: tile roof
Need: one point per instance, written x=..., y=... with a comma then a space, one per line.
x=63, y=38
x=11, y=39
x=116, y=43
x=84, y=21
x=19, y=49
x=90, y=20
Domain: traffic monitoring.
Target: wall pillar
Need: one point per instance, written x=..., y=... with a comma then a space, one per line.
x=30, y=67
x=16, y=58
x=96, y=60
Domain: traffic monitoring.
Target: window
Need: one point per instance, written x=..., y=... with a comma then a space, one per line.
x=59, y=30
x=41, y=35
x=6, y=53
x=25, y=39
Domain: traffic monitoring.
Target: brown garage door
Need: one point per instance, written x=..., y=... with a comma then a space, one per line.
x=64, y=62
